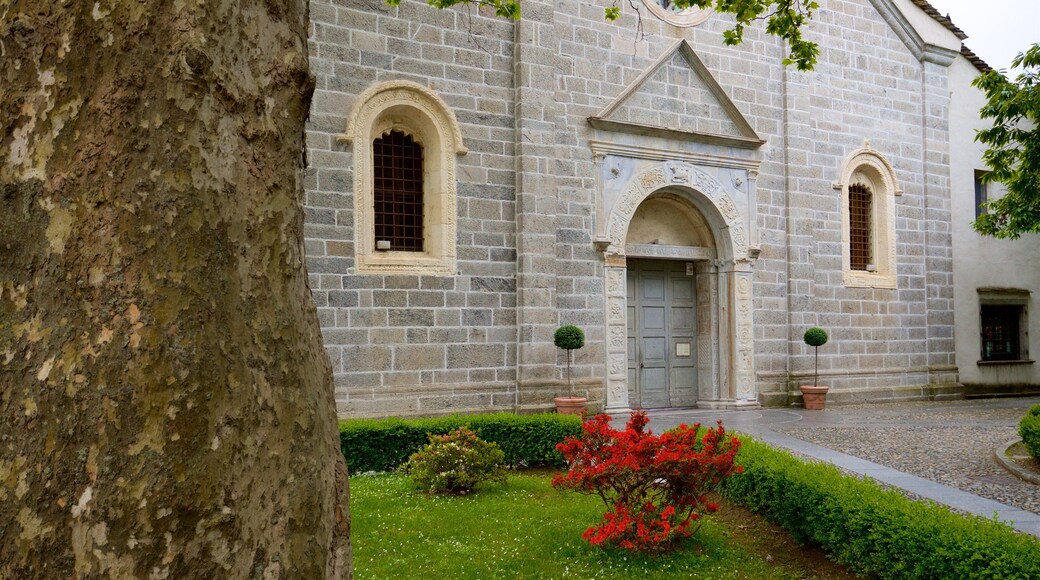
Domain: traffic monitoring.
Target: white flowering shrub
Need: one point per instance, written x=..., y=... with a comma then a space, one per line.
x=455, y=463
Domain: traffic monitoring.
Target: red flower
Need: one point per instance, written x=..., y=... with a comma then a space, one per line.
x=654, y=486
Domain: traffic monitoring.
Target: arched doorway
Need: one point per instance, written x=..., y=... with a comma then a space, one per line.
x=678, y=293
x=665, y=322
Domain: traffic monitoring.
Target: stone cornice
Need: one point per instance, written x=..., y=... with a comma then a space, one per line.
x=939, y=55
x=901, y=26
x=652, y=153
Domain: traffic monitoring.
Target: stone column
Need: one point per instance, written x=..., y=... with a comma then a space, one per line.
x=617, y=335
x=535, y=55
x=938, y=215
x=707, y=332
x=743, y=344
x=735, y=339
x=724, y=341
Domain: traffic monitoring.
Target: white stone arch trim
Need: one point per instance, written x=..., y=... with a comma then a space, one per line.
x=684, y=18
x=390, y=93
x=732, y=360
x=868, y=166
x=419, y=112
x=730, y=235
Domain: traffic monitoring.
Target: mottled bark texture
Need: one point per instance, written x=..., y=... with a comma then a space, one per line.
x=166, y=401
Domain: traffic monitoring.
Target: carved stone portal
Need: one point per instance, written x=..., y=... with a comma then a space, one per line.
x=724, y=285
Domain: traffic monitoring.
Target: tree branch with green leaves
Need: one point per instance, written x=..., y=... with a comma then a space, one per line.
x=1013, y=147
x=785, y=19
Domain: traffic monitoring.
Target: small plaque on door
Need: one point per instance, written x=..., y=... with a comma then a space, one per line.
x=682, y=349
x=690, y=269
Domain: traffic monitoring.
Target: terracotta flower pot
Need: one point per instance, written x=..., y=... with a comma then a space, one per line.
x=814, y=397
x=569, y=405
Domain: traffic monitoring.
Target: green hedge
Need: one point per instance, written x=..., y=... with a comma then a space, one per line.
x=527, y=440
x=1029, y=430
x=874, y=531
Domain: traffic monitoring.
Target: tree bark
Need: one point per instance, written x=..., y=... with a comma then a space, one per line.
x=167, y=406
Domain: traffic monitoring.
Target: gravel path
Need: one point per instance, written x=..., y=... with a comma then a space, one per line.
x=950, y=443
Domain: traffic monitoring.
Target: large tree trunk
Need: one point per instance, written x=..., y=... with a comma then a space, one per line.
x=166, y=401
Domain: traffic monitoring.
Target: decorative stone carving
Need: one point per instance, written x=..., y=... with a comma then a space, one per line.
x=739, y=240
x=724, y=344
x=616, y=309
x=618, y=338
x=743, y=373
x=617, y=395
x=615, y=282
x=618, y=365
x=689, y=253
x=727, y=207
x=707, y=183
x=679, y=172
x=650, y=180
x=744, y=285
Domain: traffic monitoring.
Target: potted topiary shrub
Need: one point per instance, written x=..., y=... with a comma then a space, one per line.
x=569, y=338
x=815, y=396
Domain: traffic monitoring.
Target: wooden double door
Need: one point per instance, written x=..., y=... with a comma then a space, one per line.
x=662, y=326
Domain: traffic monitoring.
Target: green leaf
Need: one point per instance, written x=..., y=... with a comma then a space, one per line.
x=1013, y=147
x=784, y=19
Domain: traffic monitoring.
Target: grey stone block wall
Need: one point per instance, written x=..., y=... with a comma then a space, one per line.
x=867, y=85
x=403, y=344
x=527, y=198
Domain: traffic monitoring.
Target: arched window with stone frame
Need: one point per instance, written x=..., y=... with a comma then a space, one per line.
x=868, y=188
x=405, y=141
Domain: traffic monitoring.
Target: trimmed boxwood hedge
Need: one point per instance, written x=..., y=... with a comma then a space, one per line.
x=527, y=440
x=1029, y=430
x=874, y=531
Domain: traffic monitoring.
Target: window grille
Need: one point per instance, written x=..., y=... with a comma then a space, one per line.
x=1000, y=332
x=860, y=227
x=398, y=191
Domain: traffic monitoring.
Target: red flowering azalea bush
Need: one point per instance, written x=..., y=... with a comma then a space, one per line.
x=654, y=486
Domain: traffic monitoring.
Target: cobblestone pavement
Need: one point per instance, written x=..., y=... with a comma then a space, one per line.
x=940, y=451
x=948, y=442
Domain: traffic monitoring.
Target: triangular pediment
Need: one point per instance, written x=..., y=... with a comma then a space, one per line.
x=678, y=98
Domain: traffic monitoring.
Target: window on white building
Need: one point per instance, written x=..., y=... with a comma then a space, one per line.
x=1002, y=332
x=981, y=194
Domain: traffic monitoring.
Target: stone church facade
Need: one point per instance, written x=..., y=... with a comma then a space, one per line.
x=693, y=207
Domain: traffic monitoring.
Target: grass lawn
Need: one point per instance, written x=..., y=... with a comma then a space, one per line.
x=526, y=529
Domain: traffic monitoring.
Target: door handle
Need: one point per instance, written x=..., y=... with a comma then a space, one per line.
x=640, y=364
